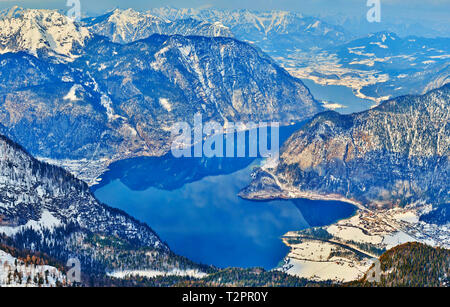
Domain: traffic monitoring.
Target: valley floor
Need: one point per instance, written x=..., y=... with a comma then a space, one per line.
x=87, y=170
x=344, y=251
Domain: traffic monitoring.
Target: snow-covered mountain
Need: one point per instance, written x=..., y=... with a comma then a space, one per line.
x=38, y=196
x=40, y=32
x=403, y=26
x=377, y=66
x=125, y=26
x=120, y=100
x=116, y=101
x=271, y=30
x=383, y=44
x=44, y=210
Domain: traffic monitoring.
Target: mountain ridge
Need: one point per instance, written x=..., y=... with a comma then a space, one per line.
x=100, y=106
x=46, y=210
x=396, y=153
x=410, y=265
x=126, y=26
x=17, y=211
x=45, y=33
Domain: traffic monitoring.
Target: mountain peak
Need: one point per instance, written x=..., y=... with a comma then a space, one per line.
x=384, y=35
x=35, y=31
x=125, y=26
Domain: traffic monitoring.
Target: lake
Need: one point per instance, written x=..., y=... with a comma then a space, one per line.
x=192, y=204
x=339, y=94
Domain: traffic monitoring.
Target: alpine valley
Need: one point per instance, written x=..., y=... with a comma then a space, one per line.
x=81, y=101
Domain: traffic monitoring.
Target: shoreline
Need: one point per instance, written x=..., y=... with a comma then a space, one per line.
x=292, y=194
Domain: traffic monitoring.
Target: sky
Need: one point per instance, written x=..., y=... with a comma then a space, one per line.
x=391, y=9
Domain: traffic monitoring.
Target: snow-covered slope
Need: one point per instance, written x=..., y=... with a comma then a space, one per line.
x=38, y=196
x=125, y=26
x=40, y=32
x=392, y=155
x=16, y=272
x=45, y=211
x=273, y=31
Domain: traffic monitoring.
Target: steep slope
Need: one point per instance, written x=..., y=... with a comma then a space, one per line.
x=41, y=33
x=396, y=153
x=412, y=265
x=119, y=101
x=45, y=209
x=37, y=195
x=62, y=107
x=126, y=26
x=168, y=79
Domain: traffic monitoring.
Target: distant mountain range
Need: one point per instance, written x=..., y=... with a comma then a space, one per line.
x=394, y=154
x=413, y=65
x=126, y=26
x=270, y=30
x=376, y=66
x=359, y=25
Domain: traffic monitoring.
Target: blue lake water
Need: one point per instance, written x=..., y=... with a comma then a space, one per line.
x=338, y=94
x=192, y=204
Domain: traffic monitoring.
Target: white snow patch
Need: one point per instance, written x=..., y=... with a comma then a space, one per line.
x=332, y=106
x=72, y=94
x=397, y=238
x=379, y=45
x=164, y=102
x=10, y=264
x=341, y=271
x=107, y=104
x=47, y=221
